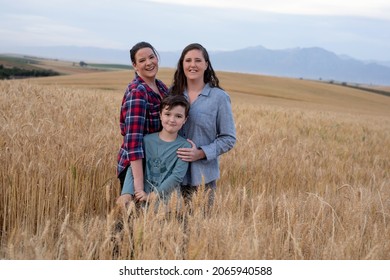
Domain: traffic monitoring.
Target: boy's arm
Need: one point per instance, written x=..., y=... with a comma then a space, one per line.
x=173, y=180
x=138, y=175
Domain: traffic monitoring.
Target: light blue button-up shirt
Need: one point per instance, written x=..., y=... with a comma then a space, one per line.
x=210, y=125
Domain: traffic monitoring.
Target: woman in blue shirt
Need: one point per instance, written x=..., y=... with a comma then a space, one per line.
x=210, y=125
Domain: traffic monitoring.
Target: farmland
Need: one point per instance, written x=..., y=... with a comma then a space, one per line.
x=308, y=178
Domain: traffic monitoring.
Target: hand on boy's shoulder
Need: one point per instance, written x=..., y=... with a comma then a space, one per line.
x=190, y=153
x=184, y=143
x=187, y=145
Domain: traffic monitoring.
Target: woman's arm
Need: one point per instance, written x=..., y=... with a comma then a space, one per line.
x=134, y=131
x=226, y=130
x=135, y=118
x=225, y=137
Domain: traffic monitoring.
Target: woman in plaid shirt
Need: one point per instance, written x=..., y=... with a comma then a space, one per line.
x=139, y=115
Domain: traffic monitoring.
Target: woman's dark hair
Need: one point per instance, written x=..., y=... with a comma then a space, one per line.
x=179, y=79
x=139, y=46
x=171, y=101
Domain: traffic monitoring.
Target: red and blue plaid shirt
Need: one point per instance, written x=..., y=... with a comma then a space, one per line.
x=140, y=115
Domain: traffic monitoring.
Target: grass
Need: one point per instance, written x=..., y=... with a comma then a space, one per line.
x=307, y=179
x=61, y=66
x=110, y=66
x=19, y=61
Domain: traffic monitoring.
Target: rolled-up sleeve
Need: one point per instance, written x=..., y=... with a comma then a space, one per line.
x=134, y=123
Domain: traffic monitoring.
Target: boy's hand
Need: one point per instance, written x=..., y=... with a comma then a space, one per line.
x=124, y=200
x=141, y=196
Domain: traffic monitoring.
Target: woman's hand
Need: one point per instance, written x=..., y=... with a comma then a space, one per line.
x=190, y=154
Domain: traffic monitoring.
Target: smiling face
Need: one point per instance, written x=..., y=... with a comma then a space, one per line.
x=194, y=64
x=146, y=64
x=172, y=120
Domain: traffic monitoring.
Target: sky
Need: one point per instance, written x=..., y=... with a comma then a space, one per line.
x=357, y=28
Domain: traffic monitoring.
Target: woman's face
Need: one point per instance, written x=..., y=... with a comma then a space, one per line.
x=194, y=65
x=146, y=63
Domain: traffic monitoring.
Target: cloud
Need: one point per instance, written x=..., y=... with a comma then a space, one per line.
x=337, y=25
x=35, y=29
x=363, y=8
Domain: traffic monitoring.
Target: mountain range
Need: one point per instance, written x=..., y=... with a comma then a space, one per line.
x=307, y=63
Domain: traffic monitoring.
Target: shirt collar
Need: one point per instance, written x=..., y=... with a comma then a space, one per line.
x=158, y=83
x=205, y=91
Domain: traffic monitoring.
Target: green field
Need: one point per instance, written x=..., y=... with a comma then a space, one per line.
x=63, y=67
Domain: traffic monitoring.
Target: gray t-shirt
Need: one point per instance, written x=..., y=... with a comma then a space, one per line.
x=163, y=170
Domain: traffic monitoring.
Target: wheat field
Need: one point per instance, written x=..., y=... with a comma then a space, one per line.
x=308, y=178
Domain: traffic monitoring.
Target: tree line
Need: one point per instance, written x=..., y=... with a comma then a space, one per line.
x=17, y=73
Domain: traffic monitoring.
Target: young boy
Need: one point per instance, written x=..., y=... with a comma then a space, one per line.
x=163, y=170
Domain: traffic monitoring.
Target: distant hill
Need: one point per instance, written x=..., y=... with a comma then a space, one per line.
x=307, y=63
x=17, y=65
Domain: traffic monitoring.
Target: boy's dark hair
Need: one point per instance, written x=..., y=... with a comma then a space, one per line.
x=171, y=101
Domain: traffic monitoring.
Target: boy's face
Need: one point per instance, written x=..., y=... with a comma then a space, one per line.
x=172, y=120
